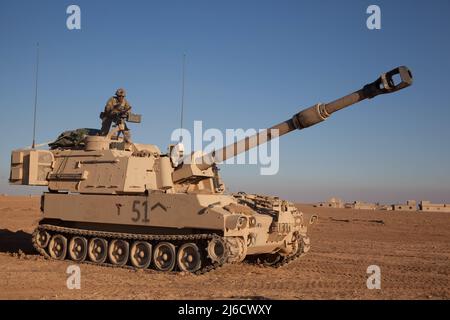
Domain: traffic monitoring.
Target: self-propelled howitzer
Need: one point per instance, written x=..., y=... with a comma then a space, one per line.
x=129, y=205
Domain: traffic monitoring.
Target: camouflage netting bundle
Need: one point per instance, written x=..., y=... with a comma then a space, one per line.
x=73, y=139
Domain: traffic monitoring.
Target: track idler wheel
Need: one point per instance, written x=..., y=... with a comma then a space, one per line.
x=236, y=249
x=42, y=238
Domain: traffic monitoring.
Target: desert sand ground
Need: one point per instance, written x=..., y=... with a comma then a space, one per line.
x=412, y=249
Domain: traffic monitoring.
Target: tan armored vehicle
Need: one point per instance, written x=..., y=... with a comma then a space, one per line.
x=111, y=203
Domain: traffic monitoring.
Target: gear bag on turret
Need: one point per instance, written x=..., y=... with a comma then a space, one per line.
x=73, y=139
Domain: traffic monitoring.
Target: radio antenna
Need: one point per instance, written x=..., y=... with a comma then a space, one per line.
x=35, y=96
x=182, y=96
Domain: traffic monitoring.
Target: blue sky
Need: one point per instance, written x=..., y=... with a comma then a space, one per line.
x=250, y=64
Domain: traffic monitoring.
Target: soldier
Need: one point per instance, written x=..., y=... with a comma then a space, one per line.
x=116, y=109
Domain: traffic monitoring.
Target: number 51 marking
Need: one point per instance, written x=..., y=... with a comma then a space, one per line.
x=137, y=212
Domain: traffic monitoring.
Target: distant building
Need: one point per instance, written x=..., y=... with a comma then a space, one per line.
x=331, y=203
x=410, y=205
x=434, y=207
x=384, y=207
x=361, y=205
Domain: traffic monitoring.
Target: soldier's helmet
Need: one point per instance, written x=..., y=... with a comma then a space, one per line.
x=120, y=92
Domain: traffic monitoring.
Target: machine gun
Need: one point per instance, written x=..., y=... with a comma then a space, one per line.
x=120, y=114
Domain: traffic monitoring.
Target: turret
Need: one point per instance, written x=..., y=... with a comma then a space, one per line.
x=81, y=162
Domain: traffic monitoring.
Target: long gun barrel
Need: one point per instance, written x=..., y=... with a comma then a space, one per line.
x=311, y=116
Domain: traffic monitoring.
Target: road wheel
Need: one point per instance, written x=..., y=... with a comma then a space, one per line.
x=141, y=254
x=118, y=252
x=98, y=250
x=189, y=258
x=58, y=247
x=78, y=247
x=164, y=256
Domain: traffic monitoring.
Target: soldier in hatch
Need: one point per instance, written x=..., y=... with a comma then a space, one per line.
x=116, y=109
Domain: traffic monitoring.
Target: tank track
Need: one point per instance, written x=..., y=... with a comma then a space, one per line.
x=51, y=229
x=213, y=265
x=283, y=260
